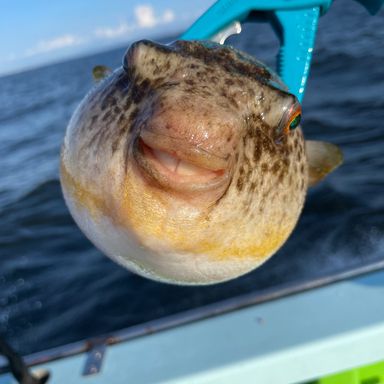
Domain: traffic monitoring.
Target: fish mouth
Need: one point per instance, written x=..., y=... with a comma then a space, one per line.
x=174, y=165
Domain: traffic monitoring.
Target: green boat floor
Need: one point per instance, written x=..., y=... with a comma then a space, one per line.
x=370, y=374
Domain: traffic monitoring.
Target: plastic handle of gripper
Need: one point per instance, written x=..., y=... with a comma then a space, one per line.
x=224, y=12
x=296, y=30
x=218, y=16
x=296, y=24
x=294, y=21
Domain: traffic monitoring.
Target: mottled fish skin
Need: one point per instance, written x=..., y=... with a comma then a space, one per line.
x=207, y=98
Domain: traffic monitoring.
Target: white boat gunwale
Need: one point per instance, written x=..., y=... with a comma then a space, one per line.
x=190, y=316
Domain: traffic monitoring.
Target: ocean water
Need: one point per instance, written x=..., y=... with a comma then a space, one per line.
x=55, y=287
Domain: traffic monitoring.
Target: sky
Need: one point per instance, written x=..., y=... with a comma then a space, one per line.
x=38, y=32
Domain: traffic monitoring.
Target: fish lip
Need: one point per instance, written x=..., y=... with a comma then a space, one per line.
x=193, y=153
x=153, y=170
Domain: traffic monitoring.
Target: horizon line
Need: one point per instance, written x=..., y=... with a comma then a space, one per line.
x=90, y=53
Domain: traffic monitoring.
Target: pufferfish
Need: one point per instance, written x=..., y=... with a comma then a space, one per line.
x=187, y=165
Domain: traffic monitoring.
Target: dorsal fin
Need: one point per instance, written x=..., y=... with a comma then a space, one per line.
x=323, y=158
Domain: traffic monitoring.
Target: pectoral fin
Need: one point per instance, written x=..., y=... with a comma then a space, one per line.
x=323, y=158
x=100, y=72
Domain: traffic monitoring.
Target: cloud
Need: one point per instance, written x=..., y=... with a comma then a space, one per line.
x=145, y=17
x=168, y=16
x=54, y=44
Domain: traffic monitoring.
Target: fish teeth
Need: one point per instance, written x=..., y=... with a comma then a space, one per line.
x=176, y=165
x=187, y=169
x=166, y=159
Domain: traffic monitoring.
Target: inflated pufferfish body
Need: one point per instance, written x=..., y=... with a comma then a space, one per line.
x=186, y=165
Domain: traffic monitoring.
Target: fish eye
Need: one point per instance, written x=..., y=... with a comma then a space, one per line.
x=295, y=119
x=291, y=118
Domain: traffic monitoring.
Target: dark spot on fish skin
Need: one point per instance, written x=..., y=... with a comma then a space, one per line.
x=191, y=90
x=286, y=162
x=268, y=146
x=128, y=102
x=224, y=93
x=108, y=102
x=106, y=116
x=121, y=119
x=252, y=94
x=114, y=146
x=140, y=90
x=200, y=74
x=124, y=125
x=190, y=82
x=158, y=82
x=223, y=104
x=206, y=93
x=257, y=152
x=98, y=138
x=132, y=117
x=300, y=152
x=263, y=199
x=275, y=167
x=92, y=122
x=89, y=144
x=264, y=167
x=229, y=82
x=239, y=184
x=157, y=70
x=251, y=123
x=249, y=169
x=169, y=84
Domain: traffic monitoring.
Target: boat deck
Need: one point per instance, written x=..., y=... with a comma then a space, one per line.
x=291, y=339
